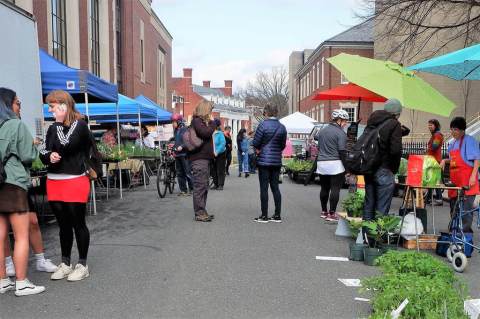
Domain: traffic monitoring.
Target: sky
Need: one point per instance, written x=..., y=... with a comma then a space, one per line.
x=235, y=39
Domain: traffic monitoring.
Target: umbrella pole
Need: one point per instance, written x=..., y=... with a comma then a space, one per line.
x=118, y=144
x=92, y=183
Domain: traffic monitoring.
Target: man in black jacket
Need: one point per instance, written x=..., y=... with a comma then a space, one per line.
x=379, y=186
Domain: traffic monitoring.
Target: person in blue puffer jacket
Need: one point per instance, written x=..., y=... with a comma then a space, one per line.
x=269, y=141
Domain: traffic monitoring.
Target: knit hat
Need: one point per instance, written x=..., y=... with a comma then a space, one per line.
x=393, y=106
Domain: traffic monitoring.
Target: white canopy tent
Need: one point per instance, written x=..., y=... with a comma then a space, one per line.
x=298, y=123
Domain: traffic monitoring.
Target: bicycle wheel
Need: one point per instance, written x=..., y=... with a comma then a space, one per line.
x=161, y=181
x=171, y=184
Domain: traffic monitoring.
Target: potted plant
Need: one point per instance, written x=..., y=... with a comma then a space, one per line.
x=353, y=204
x=356, y=249
x=378, y=232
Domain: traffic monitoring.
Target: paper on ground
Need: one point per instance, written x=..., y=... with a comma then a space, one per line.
x=362, y=299
x=332, y=258
x=472, y=308
x=350, y=282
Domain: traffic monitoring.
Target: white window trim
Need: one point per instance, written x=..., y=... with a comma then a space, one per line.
x=353, y=106
x=323, y=71
x=343, y=79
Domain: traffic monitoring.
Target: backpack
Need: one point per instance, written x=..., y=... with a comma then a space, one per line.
x=191, y=141
x=3, y=173
x=93, y=161
x=219, y=143
x=364, y=157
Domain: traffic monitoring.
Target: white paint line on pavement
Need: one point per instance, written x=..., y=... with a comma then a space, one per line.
x=331, y=258
x=350, y=282
x=362, y=299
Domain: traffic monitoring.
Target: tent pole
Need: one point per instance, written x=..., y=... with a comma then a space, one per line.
x=118, y=145
x=141, y=146
x=92, y=182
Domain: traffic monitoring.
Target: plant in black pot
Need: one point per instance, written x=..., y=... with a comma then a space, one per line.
x=377, y=236
x=356, y=249
x=353, y=204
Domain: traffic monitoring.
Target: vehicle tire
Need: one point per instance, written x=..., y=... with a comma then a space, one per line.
x=459, y=261
x=171, y=179
x=161, y=179
x=452, y=250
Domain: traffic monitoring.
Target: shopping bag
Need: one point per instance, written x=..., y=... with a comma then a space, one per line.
x=415, y=170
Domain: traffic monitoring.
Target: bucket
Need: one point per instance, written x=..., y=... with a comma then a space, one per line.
x=370, y=255
x=356, y=252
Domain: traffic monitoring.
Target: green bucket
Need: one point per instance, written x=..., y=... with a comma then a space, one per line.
x=356, y=252
x=371, y=254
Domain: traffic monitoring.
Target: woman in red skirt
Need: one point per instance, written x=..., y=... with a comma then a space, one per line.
x=66, y=148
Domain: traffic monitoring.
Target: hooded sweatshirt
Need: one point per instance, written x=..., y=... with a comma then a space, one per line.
x=390, y=139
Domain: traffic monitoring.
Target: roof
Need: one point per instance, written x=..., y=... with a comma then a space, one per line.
x=223, y=107
x=201, y=90
x=362, y=32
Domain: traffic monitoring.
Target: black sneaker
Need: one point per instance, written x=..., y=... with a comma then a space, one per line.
x=275, y=219
x=246, y=175
x=261, y=219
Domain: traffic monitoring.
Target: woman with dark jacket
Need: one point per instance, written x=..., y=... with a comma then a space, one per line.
x=17, y=152
x=200, y=159
x=67, y=147
x=242, y=153
x=269, y=141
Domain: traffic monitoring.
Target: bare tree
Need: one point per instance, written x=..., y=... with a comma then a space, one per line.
x=268, y=88
x=411, y=26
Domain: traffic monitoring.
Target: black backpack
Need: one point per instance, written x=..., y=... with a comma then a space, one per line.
x=3, y=174
x=364, y=157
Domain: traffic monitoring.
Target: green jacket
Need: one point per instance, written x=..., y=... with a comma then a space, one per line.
x=15, y=138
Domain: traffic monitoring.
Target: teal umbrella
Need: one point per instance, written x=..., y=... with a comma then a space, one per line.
x=463, y=64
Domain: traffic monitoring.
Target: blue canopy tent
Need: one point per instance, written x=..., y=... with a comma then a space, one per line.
x=129, y=110
x=80, y=84
x=162, y=115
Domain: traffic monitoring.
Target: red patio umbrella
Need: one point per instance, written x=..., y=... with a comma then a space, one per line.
x=349, y=91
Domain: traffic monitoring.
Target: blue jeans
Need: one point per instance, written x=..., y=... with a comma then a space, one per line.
x=184, y=173
x=378, y=193
x=242, y=163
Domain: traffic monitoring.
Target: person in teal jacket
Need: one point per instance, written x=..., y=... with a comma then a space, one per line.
x=17, y=153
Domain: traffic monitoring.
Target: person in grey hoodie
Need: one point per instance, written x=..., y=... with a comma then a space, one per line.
x=332, y=142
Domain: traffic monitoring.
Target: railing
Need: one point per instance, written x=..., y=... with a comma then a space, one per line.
x=419, y=148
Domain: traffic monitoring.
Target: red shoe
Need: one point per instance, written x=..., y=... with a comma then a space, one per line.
x=332, y=217
x=324, y=215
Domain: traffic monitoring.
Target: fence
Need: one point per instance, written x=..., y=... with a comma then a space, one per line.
x=420, y=148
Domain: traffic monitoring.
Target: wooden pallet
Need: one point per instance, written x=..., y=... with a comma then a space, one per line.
x=425, y=242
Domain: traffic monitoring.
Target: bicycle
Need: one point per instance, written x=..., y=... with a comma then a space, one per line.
x=166, y=173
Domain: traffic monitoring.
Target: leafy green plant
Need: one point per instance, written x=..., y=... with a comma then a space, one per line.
x=381, y=227
x=353, y=204
x=37, y=165
x=355, y=227
x=430, y=285
x=299, y=165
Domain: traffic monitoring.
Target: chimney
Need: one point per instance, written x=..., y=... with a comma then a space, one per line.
x=228, y=87
x=187, y=73
x=206, y=84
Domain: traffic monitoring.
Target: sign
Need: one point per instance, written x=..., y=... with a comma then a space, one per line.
x=70, y=85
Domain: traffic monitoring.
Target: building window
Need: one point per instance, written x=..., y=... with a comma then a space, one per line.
x=352, y=112
x=343, y=79
x=323, y=70
x=59, y=30
x=161, y=70
x=142, y=52
x=118, y=39
x=95, y=34
x=318, y=75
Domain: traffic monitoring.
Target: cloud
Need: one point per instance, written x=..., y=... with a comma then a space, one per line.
x=239, y=70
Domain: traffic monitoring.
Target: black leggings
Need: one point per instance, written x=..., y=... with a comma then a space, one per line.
x=331, y=185
x=70, y=218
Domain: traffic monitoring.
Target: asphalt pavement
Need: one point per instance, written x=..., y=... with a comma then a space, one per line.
x=149, y=259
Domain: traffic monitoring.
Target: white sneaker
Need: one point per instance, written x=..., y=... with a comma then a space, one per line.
x=80, y=272
x=46, y=265
x=26, y=288
x=6, y=285
x=10, y=269
x=62, y=272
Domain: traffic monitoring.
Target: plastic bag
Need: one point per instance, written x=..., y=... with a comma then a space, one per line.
x=408, y=228
x=432, y=173
x=402, y=170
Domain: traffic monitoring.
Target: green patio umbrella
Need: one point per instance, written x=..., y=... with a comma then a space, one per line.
x=391, y=80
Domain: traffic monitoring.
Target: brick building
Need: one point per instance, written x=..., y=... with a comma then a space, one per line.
x=311, y=73
x=122, y=41
x=230, y=109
